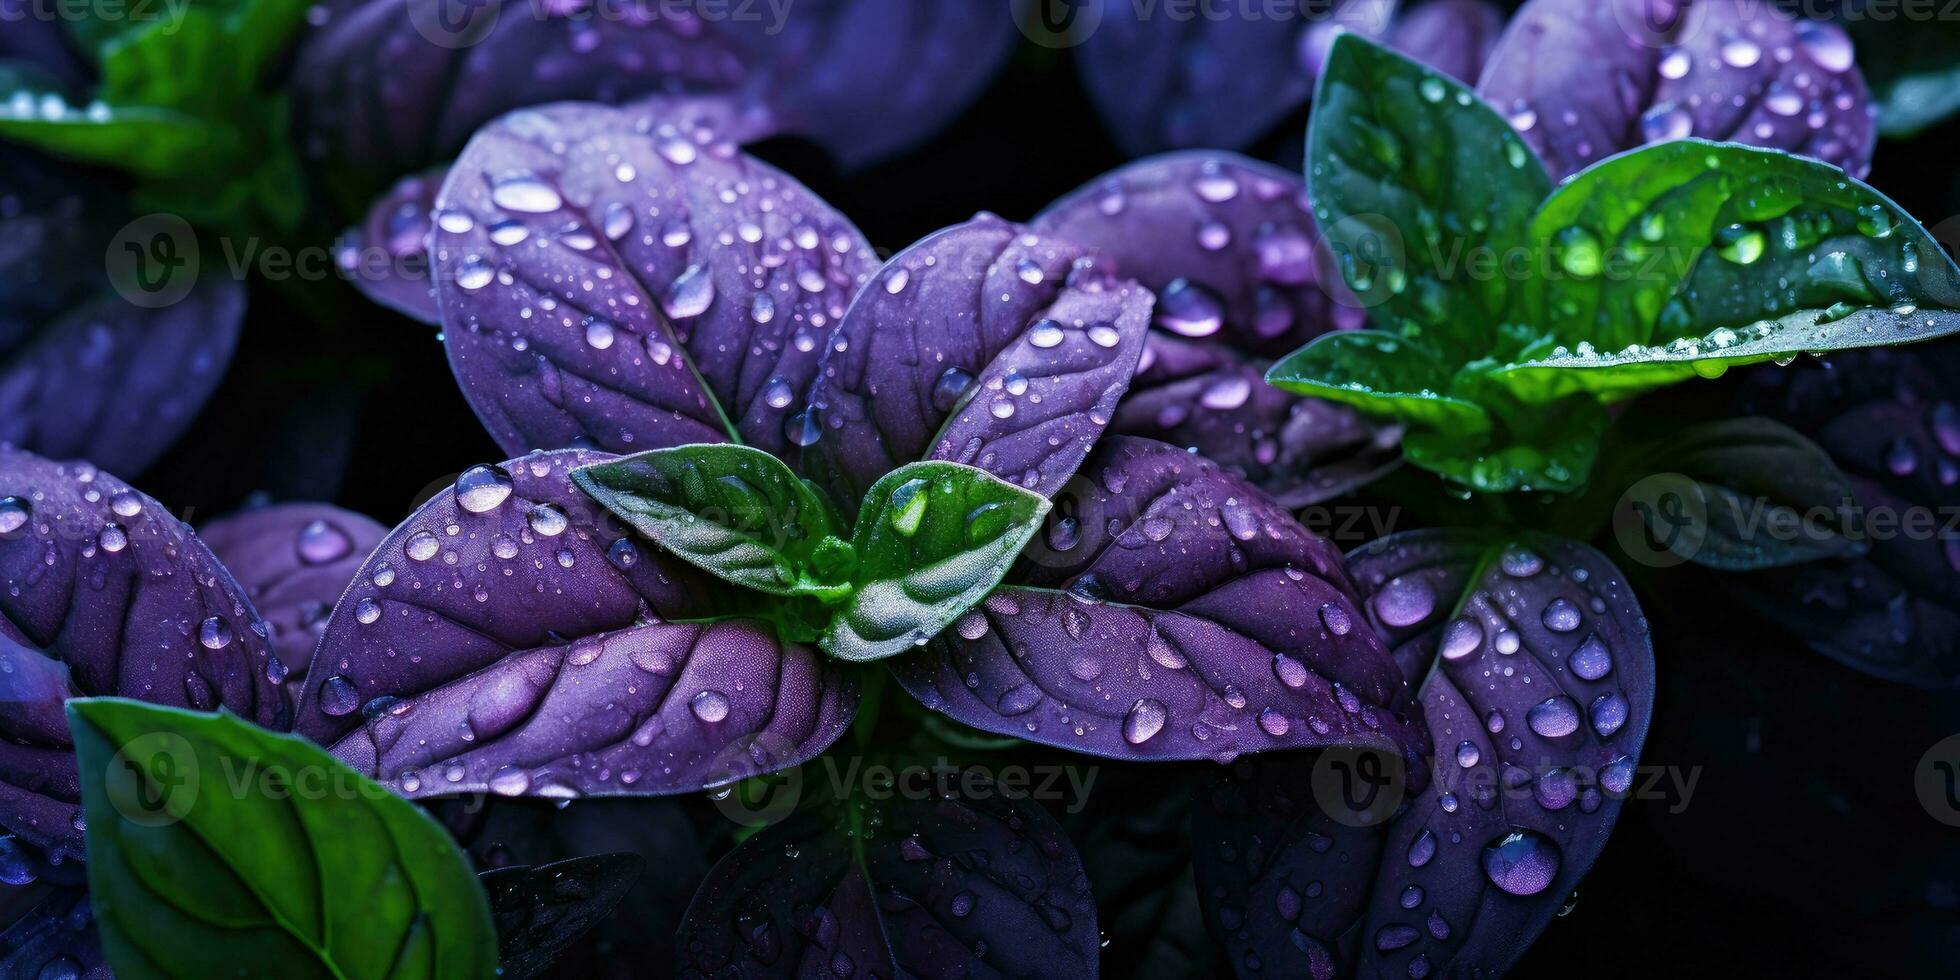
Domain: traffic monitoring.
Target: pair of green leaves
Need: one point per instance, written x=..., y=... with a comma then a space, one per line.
x=183, y=106
x=931, y=539
x=216, y=848
x=1506, y=315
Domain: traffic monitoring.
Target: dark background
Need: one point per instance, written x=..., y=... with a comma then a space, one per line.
x=1802, y=848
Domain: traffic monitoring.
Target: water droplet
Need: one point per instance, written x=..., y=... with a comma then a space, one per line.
x=482, y=489
x=1522, y=862
x=339, y=697
x=113, y=538
x=1145, y=720
x=13, y=514
x=548, y=520
x=692, y=292
x=1592, y=660
x=214, y=633
x=1561, y=616
x=709, y=706
x=1554, y=717
x=1045, y=334
x=421, y=546
x=320, y=542
x=527, y=194
x=1190, y=310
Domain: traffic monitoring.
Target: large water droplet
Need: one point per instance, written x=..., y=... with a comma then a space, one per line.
x=1554, y=717
x=526, y=193
x=338, y=696
x=482, y=488
x=1145, y=720
x=1522, y=862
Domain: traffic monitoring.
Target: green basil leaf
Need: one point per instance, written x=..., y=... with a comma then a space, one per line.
x=1380, y=373
x=1736, y=495
x=932, y=539
x=1530, y=447
x=214, y=844
x=145, y=141
x=1685, y=258
x=1414, y=182
x=735, y=511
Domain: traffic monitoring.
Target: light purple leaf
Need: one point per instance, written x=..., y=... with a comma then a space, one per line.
x=385, y=87
x=386, y=257
x=609, y=278
x=1454, y=37
x=511, y=636
x=946, y=887
x=1538, y=684
x=1230, y=248
x=106, y=593
x=981, y=344
x=1169, y=611
x=294, y=561
x=1582, y=80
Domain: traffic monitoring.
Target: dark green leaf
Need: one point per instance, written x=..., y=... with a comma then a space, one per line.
x=1915, y=80
x=1736, y=495
x=1380, y=373
x=215, y=845
x=932, y=539
x=735, y=511
x=1413, y=181
x=1689, y=257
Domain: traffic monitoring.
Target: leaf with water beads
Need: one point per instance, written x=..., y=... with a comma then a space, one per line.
x=293, y=561
x=106, y=593
x=1168, y=611
x=1228, y=245
x=932, y=539
x=1537, y=681
x=1583, y=80
x=542, y=911
x=512, y=636
x=982, y=344
x=622, y=279
x=937, y=887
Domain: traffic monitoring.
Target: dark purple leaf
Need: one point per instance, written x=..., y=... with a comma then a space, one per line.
x=612, y=279
x=1582, y=80
x=982, y=344
x=1535, y=751
x=84, y=371
x=1165, y=76
x=55, y=940
x=38, y=39
x=510, y=636
x=944, y=887
x=640, y=934
x=386, y=87
x=106, y=593
x=1169, y=611
x=1454, y=37
x=1887, y=418
x=542, y=911
x=387, y=255
x=1229, y=247
x=294, y=561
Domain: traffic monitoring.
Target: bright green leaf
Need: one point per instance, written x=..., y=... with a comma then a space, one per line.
x=1421, y=191
x=735, y=511
x=215, y=846
x=1383, y=374
x=932, y=539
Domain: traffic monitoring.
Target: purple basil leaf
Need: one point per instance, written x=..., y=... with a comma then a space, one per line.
x=106, y=593
x=85, y=372
x=1228, y=245
x=1582, y=80
x=1169, y=611
x=1454, y=37
x=510, y=636
x=982, y=344
x=294, y=561
x=504, y=832
x=385, y=87
x=542, y=911
x=1887, y=418
x=55, y=940
x=387, y=255
x=1163, y=81
x=612, y=279
x=1538, y=706
x=946, y=887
